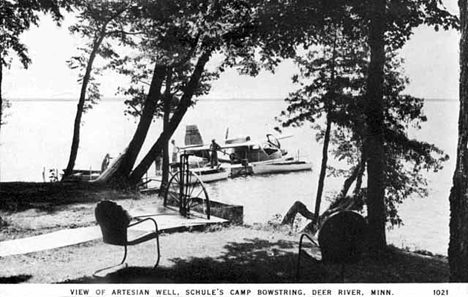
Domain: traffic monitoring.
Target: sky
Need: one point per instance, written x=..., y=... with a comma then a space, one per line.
x=431, y=64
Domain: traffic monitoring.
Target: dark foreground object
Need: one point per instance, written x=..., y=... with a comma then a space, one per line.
x=341, y=240
x=115, y=222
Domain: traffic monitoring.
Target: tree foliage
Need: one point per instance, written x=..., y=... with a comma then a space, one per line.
x=251, y=35
x=16, y=17
x=182, y=36
x=140, y=76
x=97, y=23
x=406, y=159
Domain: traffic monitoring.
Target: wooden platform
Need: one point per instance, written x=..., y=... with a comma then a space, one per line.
x=168, y=219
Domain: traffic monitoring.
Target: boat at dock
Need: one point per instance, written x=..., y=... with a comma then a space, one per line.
x=209, y=174
x=84, y=175
x=78, y=175
x=246, y=156
x=280, y=166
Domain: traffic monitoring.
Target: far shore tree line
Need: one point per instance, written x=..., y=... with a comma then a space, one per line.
x=350, y=86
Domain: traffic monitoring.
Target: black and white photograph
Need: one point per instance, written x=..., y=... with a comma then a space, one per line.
x=233, y=147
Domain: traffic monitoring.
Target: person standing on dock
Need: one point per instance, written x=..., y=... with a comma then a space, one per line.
x=175, y=150
x=105, y=162
x=157, y=164
x=214, y=147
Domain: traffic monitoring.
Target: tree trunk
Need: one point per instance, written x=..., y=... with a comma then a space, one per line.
x=326, y=141
x=166, y=116
x=458, y=246
x=1, y=96
x=349, y=181
x=362, y=168
x=185, y=102
x=80, y=106
x=128, y=160
x=323, y=169
x=374, y=120
x=356, y=176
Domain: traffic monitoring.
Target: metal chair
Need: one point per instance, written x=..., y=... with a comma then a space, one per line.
x=340, y=239
x=114, y=222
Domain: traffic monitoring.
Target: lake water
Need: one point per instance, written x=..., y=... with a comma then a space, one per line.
x=38, y=135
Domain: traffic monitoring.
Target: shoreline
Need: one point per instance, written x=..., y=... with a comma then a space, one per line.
x=26, y=200
x=259, y=253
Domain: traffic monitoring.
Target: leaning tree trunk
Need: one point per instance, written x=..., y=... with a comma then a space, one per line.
x=184, y=104
x=342, y=202
x=128, y=160
x=362, y=169
x=374, y=120
x=80, y=106
x=356, y=176
x=297, y=207
x=458, y=246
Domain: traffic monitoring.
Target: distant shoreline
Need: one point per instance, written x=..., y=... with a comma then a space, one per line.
x=118, y=99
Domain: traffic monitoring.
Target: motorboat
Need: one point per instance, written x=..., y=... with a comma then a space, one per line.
x=211, y=174
x=276, y=166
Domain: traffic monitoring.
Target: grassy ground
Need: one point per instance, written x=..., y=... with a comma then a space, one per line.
x=240, y=254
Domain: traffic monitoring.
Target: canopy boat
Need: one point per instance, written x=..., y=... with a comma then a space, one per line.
x=246, y=156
